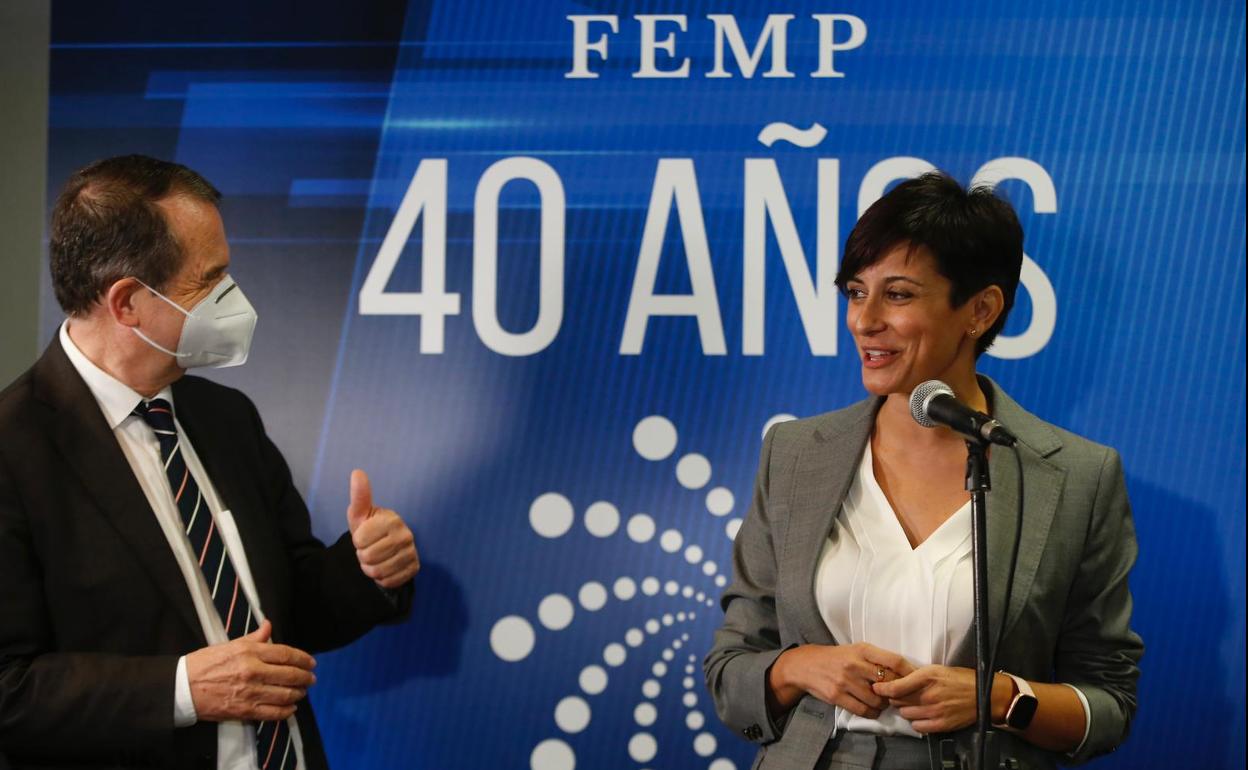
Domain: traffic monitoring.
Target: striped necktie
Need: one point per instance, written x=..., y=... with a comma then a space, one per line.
x=273, y=742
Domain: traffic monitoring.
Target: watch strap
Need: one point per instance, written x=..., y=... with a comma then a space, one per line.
x=1024, y=688
x=1024, y=693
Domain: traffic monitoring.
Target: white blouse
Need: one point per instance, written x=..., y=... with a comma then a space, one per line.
x=872, y=586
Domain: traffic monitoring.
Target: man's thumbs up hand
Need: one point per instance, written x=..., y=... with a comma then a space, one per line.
x=383, y=543
x=361, y=505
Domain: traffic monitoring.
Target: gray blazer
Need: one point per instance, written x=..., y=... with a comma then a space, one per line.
x=1069, y=611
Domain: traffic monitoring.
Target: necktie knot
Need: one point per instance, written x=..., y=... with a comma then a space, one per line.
x=157, y=413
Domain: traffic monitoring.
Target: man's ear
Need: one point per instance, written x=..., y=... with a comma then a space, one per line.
x=119, y=301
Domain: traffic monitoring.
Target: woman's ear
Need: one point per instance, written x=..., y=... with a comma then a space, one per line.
x=986, y=307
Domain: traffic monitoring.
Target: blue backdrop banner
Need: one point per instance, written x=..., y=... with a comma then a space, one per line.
x=548, y=270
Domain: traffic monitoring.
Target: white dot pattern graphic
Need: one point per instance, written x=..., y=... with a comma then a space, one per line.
x=624, y=589
x=592, y=596
x=552, y=754
x=655, y=438
x=640, y=528
x=512, y=638
x=642, y=747
x=704, y=744
x=593, y=680
x=551, y=516
x=556, y=612
x=719, y=501
x=693, y=471
x=602, y=519
x=614, y=654
x=645, y=714
x=572, y=714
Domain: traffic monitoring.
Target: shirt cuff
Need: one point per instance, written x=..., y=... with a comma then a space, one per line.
x=1087, y=719
x=183, y=705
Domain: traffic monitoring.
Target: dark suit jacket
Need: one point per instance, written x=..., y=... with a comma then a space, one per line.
x=1069, y=613
x=94, y=612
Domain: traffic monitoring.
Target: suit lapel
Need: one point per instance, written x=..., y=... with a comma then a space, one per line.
x=210, y=432
x=1042, y=490
x=821, y=479
x=93, y=455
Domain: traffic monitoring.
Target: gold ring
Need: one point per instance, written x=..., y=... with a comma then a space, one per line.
x=879, y=673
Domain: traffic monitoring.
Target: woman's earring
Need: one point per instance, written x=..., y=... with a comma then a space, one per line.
x=974, y=332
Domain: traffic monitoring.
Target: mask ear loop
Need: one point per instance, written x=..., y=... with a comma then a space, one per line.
x=151, y=341
x=175, y=305
x=156, y=344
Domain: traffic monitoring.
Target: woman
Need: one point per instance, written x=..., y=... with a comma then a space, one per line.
x=847, y=638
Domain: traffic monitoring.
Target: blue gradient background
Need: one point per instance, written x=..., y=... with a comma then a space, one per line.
x=312, y=117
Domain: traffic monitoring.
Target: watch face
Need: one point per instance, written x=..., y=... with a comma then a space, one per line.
x=1021, y=711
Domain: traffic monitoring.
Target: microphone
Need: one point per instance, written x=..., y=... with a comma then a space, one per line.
x=933, y=403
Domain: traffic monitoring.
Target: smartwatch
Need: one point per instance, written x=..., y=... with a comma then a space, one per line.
x=1023, y=707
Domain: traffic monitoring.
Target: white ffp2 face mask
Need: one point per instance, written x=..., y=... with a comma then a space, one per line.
x=217, y=331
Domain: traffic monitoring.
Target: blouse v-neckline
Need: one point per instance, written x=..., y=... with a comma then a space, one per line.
x=886, y=531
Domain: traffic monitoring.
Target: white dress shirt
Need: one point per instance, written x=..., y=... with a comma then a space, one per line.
x=236, y=741
x=872, y=586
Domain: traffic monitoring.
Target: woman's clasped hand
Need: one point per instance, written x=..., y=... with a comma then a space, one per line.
x=865, y=680
x=842, y=675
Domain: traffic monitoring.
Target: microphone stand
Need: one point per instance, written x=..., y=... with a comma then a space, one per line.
x=984, y=754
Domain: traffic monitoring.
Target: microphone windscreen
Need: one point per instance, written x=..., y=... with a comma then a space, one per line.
x=921, y=396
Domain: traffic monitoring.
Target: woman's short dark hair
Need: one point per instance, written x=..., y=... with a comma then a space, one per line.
x=973, y=234
x=106, y=226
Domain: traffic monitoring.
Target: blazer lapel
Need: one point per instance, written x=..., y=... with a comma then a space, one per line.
x=821, y=479
x=93, y=455
x=1042, y=490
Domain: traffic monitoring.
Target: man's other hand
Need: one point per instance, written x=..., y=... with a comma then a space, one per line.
x=248, y=678
x=383, y=543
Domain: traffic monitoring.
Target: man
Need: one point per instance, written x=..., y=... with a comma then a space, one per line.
x=160, y=588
